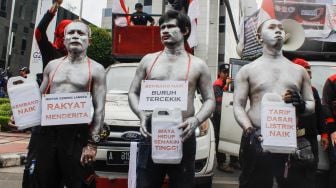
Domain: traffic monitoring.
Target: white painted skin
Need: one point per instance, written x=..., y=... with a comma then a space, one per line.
x=172, y=64
x=270, y=73
x=73, y=76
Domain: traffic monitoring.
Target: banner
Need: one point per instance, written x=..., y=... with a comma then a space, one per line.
x=310, y=15
x=66, y=108
x=35, y=65
x=252, y=48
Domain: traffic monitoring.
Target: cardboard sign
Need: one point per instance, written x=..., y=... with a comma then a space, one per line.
x=25, y=99
x=168, y=94
x=278, y=126
x=66, y=108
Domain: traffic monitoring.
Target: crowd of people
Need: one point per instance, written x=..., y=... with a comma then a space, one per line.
x=62, y=155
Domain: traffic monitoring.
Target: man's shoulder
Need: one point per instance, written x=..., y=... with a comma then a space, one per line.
x=96, y=65
x=149, y=58
x=197, y=60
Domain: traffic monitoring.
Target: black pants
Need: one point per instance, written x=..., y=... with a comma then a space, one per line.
x=332, y=160
x=151, y=175
x=57, y=151
x=259, y=168
x=303, y=174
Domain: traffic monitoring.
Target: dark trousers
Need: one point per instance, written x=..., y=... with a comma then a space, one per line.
x=57, y=151
x=332, y=160
x=151, y=175
x=303, y=174
x=259, y=168
x=221, y=157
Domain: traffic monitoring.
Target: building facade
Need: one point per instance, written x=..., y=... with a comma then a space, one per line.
x=22, y=32
x=216, y=37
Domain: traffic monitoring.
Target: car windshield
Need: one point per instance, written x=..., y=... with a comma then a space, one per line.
x=320, y=74
x=120, y=78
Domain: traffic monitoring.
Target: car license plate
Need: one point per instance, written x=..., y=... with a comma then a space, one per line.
x=117, y=157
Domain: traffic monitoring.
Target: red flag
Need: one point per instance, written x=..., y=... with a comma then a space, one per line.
x=119, y=6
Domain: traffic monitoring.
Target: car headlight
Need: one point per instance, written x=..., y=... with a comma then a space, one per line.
x=202, y=129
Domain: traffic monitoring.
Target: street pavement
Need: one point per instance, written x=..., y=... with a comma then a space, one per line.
x=13, y=149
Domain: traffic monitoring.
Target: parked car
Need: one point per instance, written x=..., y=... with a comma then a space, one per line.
x=113, y=155
x=230, y=133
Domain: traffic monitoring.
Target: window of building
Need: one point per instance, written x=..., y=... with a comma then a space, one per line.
x=221, y=57
x=3, y=5
x=3, y=54
x=14, y=26
x=13, y=42
x=147, y=2
x=25, y=30
x=222, y=19
x=23, y=46
x=108, y=12
x=22, y=11
x=221, y=28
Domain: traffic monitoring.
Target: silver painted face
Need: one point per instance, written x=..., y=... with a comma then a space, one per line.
x=76, y=37
x=272, y=33
x=170, y=32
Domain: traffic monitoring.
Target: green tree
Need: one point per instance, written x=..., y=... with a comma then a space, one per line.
x=101, y=46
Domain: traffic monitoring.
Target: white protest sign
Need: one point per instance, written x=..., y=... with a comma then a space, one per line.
x=25, y=99
x=166, y=141
x=166, y=136
x=168, y=94
x=66, y=108
x=278, y=125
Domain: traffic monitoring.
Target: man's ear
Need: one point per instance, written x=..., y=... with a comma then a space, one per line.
x=90, y=40
x=259, y=39
x=186, y=31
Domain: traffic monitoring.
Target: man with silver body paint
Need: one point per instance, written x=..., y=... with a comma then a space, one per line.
x=270, y=73
x=62, y=149
x=172, y=64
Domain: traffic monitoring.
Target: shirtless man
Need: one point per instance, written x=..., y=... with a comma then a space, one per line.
x=63, y=148
x=271, y=73
x=172, y=64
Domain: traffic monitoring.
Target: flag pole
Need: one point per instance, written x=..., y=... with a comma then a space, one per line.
x=10, y=36
x=81, y=10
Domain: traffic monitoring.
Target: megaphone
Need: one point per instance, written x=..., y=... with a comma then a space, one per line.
x=295, y=35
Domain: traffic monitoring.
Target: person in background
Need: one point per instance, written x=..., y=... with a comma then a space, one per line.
x=141, y=18
x=219, y=86
x=303, y=173
x=329, y=108
x=24, y=71
x=50, y=50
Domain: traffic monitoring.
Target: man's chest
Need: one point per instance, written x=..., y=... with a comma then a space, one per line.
x=77, y=75
x=170, y=71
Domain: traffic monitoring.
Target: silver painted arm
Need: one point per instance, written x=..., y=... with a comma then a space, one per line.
x=98, y=97
x=240, y=99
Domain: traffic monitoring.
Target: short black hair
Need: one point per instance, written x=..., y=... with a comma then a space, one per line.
x=183, y=21
x=224, y=68
x=138, y=5
x=25, y=69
